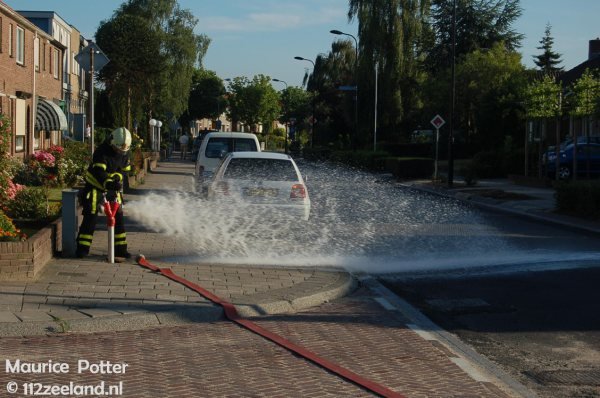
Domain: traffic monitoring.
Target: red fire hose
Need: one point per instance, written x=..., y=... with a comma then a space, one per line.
x=232, y=314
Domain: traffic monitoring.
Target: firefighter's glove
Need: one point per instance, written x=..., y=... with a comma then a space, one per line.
x=114, y=186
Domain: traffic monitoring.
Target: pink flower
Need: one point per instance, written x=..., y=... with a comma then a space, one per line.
x=13, y=189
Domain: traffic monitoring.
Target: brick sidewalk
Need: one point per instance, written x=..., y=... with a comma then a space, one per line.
x=219, y=359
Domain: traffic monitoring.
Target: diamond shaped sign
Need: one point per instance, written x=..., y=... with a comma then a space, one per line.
x=438, y=122
x=83, y=57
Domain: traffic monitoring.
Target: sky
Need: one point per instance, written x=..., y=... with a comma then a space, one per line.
x=250, y=37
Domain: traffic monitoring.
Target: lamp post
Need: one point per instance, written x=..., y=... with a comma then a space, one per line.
x=312, y=123
x=158, y=125
x=152, y=123
x=338, y=32
x=452, y=101
x=286, y=123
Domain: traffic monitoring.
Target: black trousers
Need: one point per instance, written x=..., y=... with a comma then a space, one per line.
x=90, y=199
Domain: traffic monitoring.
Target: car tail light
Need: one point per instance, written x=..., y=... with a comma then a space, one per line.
x=298, y=192
x=223, y=188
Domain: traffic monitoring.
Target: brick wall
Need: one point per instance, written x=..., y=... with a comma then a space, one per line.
x=15, y=77
x=25, y=260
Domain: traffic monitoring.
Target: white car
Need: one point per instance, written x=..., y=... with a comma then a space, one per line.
x=214, y=147
x=266, y=180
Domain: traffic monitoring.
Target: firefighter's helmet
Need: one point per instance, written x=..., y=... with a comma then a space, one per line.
x=120, y=139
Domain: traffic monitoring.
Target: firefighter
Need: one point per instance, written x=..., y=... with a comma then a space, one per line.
x=104, y=179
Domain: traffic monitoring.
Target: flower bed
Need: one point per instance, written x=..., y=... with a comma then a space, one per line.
x=25, y=259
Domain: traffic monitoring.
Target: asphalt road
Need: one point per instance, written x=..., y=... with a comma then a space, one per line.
x=537, y=321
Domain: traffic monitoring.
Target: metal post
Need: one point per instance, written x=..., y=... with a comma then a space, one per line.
x=375, y=127
x=452, y=102
x=437, y=141
x=92, y=99
x=70, y=222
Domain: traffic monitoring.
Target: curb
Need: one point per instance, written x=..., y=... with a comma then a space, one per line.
x=481, y=203
x=292, y=299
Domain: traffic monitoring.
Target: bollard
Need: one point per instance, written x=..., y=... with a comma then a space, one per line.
x=70, y=222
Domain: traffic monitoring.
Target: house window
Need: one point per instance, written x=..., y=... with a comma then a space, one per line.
x=55, y=63
x=20, y=125
x=36, y=54
x=44, y=57
x=10, y=41
x=20, y=45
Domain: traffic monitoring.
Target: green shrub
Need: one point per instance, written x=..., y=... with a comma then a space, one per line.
x=73, y=163
x=403, y=168
x=580, y=198
x=8, y=231
x=365, y=160
x=488, y=164
x=32, y=203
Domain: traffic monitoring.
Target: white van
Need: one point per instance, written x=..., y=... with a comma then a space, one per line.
x=214, y=147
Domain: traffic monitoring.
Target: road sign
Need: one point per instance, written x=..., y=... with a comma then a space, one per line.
x=347, y=88
x=83, y=57
x=438, y=122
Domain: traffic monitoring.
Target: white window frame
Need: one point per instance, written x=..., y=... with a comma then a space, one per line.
x=20, y=124
x=20, y=45
x=36, y=54
x=10, y=40
x=55, y=63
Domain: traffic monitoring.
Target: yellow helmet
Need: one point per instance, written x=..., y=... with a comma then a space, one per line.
x=120, y=139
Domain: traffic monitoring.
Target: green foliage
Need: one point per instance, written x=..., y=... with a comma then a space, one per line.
x=32, y=203
x=549, y=60
x=366, y=160
x=480, y=24
x=488, y=164
x=586, y=95
x=152, y=49
x=580, y=198
x=404, y=168
x=543, y=98
x=73, y=163
x=207, y=98
x=8, y=231
x=254, y=102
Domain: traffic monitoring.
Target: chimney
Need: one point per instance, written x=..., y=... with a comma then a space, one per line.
x=594, y=48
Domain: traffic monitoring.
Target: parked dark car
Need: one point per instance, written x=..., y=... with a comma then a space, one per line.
x=588, y=159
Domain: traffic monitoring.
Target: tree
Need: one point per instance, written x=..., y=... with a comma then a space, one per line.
x=254, y=102
x=584, y=102
x=207, y=97
x=391, y=35
x=480, y=24
x=549, y=60
x=543, y=101
x=333, y=108
x=489, y=95
x=152, y=49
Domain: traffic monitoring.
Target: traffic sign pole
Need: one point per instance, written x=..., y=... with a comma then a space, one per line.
x=437, y=122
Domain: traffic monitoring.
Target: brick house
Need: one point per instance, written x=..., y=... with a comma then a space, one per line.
x=31, y=83
x=75, y=95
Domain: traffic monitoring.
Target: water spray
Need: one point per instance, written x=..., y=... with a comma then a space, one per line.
x=110, y=209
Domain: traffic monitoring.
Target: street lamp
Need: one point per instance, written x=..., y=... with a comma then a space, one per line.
x=338, y=32
x=452, y=101
x=158, y=125
x=286, y=123
x=152, y=123
x=312, y=124
x=280, y=81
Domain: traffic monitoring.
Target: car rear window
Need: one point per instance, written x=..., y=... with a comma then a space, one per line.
x=217, y=146
x=261, y=169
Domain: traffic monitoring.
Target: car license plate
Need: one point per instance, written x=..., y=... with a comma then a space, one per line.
x=261, y=192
